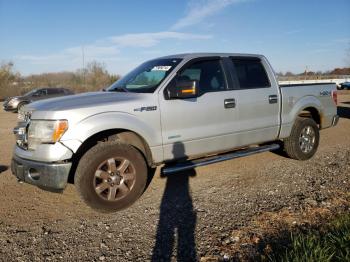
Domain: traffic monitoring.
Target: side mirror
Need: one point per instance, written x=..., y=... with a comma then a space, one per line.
x=183, y=89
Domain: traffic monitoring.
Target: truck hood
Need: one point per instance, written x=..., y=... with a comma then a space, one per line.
x=92, y=99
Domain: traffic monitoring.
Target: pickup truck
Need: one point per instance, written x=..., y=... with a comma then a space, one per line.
x=180, y=111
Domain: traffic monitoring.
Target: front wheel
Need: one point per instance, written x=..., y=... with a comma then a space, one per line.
x=304, y=139
x=20, y=106
x=111, y=176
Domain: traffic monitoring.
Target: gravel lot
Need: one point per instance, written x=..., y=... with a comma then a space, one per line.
x=231, y=210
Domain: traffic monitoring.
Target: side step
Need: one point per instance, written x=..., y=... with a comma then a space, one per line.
x=171, y=169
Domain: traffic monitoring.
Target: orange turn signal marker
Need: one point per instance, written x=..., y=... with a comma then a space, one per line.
x=60, y=127
x=186, y=91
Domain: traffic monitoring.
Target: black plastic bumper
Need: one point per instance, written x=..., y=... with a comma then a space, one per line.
x=48, y=176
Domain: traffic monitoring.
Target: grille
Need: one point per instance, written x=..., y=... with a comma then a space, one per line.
x=21, y=135
x=22, y=129
x=24, y=116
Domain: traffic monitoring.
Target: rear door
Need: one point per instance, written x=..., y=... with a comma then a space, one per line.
x=201, y=125
x=256, y=100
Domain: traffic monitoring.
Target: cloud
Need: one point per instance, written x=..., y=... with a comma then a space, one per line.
x=105, y=50
x=111, y=46
x=198, y=10
x=152, y=39
x=341, y=40
x=293, y=32
x=73, y=55
x=320, y=50
x=40, y=59
x=93, y=50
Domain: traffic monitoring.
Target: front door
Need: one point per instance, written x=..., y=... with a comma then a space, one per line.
x=201, y=125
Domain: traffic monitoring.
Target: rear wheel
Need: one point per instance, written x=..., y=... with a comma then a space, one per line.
x=304, y=139
x=111, y=176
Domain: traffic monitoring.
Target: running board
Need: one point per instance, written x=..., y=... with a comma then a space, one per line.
x=171, y=169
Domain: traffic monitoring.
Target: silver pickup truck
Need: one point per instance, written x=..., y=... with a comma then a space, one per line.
x=179, y=111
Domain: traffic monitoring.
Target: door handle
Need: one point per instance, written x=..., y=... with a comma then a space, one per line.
x=230, y=103
x=273, y=99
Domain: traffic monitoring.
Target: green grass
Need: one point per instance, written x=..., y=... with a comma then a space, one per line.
x=329, y=244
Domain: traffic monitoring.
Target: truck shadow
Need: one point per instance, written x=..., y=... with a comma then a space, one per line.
x=3, y=168
x=344, y=112
x=177, y=220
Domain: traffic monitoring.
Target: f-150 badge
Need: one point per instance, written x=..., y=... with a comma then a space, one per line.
x=145, y=108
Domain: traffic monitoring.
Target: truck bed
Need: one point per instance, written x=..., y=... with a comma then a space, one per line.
x=296, y=97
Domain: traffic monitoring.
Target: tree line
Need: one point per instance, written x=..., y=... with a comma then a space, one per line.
x=311, y=75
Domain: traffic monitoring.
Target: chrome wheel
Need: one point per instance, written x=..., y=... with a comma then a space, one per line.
x=114, y=179
x=307, y=139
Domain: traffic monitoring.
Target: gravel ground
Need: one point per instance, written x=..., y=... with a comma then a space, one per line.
x=227, y=211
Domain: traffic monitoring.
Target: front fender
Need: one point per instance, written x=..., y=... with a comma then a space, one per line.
x=147, y=127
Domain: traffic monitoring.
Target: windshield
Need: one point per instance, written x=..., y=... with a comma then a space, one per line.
x=30, y=92
x=145, y=78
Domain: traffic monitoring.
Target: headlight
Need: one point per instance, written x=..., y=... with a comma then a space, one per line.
x=12, y=101
x=45, y=132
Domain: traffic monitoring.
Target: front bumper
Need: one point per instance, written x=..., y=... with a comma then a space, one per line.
x=9, y=107
x=48, y=176
x=45, y=153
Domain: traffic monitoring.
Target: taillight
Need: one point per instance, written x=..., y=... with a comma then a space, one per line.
x=335, y=97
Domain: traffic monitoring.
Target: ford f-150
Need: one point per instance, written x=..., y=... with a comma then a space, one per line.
x=179, y=111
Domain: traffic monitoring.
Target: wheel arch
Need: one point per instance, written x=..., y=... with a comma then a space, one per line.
x=22, y=103
x=308, y=106
x=313, y=113
x=125, y=135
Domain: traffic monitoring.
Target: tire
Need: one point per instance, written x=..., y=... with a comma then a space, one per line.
x=304, y=139
x=20, y=106
x=108, y=187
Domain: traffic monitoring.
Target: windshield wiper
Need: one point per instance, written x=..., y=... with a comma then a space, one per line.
x=119, y=89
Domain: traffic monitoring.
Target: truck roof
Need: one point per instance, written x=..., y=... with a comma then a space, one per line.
x=195, y=55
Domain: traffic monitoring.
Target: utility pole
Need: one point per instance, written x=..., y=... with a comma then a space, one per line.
x=83, y=54
x=306, y=71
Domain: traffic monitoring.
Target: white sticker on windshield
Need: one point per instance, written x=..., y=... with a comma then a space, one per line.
x=161, y=68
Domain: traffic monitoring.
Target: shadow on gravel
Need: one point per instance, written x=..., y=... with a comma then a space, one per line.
x=344, y=112
x=177, y=220
x=3, y=168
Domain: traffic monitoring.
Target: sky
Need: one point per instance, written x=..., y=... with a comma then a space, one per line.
x=50, y=36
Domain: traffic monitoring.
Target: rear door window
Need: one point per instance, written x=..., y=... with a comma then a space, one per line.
x=250, y=73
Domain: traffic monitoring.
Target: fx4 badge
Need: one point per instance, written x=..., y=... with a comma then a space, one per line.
x=325, y=93
x=145, y=108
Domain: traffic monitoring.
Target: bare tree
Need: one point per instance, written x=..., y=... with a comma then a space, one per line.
x=9, y=80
